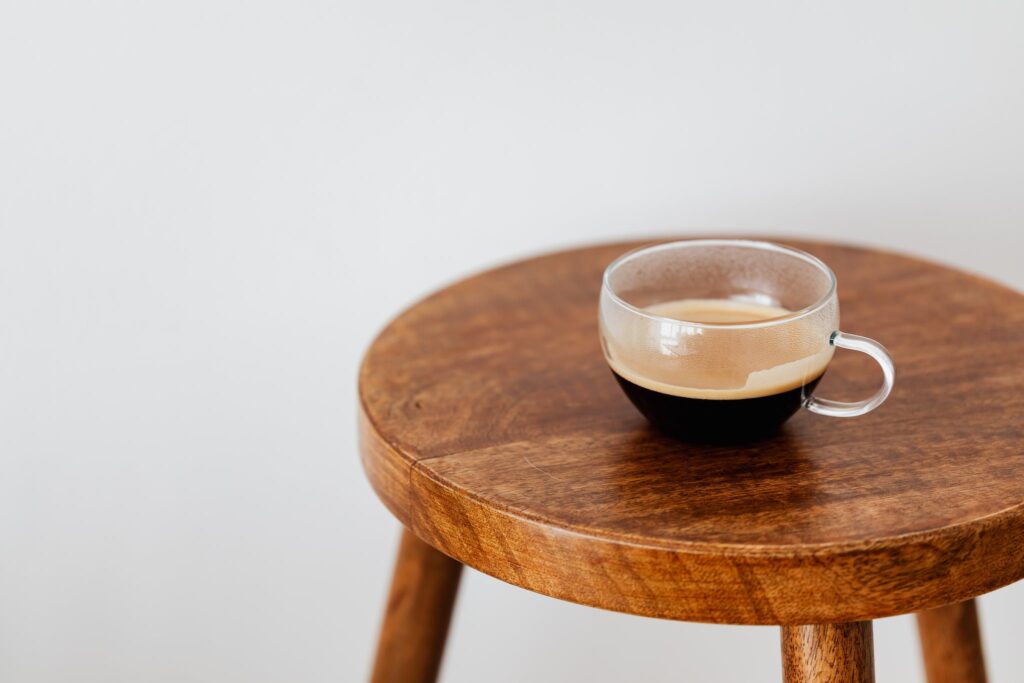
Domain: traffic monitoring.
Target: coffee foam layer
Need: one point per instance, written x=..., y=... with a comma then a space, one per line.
x=715, y=366
x=717, y=311
x=760, y=383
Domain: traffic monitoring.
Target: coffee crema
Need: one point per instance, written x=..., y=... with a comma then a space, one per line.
x=719, y=393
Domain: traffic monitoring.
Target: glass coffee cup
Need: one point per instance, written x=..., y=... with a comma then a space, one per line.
x=724, y=340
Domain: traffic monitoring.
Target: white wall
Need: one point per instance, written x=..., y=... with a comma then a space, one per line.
x=207, y=210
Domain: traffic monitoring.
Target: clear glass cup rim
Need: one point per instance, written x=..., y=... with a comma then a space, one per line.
x=747, y=244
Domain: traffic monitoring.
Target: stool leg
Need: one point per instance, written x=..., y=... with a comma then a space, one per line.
x=416, y=619
x=951, y=644
x=828, y=653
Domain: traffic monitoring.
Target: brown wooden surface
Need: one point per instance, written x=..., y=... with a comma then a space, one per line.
x=828, y=653
x=492, y=427
x=418, y=612
x=951, y=644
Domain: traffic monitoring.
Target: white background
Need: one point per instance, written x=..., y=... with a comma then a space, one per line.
x=209, y=208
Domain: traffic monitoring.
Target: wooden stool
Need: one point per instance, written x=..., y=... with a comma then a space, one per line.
x=492, y=428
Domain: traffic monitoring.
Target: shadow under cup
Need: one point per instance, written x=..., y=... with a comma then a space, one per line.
x=718, y=378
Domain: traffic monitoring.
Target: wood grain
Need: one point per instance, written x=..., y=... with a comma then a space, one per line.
x=828, y=653
x=386, y=469
x=418, y=612
x=951, y=644
x=493, y=429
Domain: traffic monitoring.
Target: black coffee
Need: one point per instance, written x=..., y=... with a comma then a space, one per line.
x=716, y=420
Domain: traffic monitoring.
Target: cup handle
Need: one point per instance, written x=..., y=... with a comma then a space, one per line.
x=824, y=406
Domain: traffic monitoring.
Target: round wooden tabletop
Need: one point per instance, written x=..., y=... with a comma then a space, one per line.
x=491, y=426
